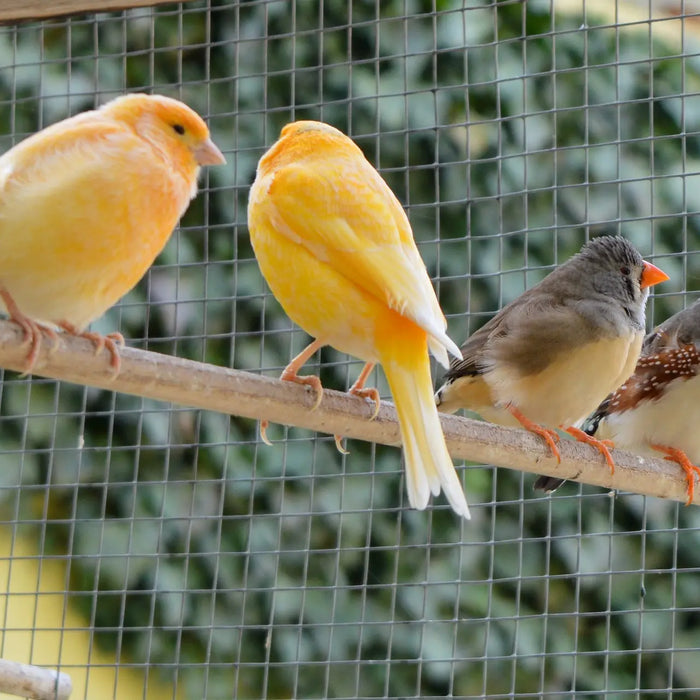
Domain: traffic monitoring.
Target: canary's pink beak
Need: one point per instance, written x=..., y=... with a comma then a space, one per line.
x=208, y=154
x=652, y=275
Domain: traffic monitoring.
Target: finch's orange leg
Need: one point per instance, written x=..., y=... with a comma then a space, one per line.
x=111, y=341
x=600, y=445
x=32, y=330
x=289, y=374
x=549, y=436
x=358, y=389
x=680, y=457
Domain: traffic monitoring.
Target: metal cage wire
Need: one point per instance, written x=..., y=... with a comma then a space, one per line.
x=156, y=551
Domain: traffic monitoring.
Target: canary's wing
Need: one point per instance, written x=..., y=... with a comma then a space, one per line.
x=346, y=216
x=78, y=149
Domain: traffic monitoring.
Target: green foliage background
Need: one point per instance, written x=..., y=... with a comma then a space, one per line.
x=293, y=571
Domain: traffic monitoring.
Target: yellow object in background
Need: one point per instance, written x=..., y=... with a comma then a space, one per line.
x=39, y=627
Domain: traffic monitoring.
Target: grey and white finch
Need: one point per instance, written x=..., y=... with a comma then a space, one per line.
x=547, y=359
x=657, y=409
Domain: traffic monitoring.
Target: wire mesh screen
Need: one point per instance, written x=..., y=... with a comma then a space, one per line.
x=154, y=551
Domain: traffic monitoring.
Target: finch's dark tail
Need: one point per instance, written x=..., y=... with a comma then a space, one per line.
x=548, y=484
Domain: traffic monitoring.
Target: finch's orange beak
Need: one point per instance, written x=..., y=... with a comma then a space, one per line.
x=652, y=275
x=207, y=153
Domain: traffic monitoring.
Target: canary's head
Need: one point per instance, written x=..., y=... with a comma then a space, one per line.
x=318, y=129
x=307, y=140
x=171, y=126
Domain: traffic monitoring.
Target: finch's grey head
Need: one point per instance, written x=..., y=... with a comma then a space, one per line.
x=611, y=265
x=610, y=278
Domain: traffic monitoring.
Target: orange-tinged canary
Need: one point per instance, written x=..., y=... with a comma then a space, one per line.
x=337, y=250
x=87, y=204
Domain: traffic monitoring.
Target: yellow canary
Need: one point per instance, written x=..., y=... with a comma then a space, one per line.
x=87, y=204
x=337, y=250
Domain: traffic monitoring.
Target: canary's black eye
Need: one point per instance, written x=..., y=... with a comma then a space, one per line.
x=179, y=129
x=625, y=270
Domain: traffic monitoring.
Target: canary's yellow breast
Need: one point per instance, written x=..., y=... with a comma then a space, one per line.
x=81, y=224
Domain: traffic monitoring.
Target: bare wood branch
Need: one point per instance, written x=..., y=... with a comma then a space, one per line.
x=14, y=10
x=27, y=681
x=172, y=379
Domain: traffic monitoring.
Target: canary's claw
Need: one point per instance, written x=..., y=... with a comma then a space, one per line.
x=358, y=389
x=263, y=432
x=309, y=380
x=680, y=457
x=600, y=445
x=289, y=374
x=112, y=342
x=33, y=332
x=372, y=394
x=339, y=445
x=549, y=436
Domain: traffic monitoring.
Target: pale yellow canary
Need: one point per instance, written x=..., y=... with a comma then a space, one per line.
x=337, y=250
x=87, y=204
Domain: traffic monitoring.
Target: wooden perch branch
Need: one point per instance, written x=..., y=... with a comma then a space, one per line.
x=165, y=378
x=11, y=10
x=27, y=681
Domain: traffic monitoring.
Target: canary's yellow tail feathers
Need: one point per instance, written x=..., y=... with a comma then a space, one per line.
x=440, y=344
x=428, y=463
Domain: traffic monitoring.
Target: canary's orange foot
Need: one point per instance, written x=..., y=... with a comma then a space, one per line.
x=549, y=436
x=358, y=389
x=112, y=342
x=600, y=445
x=309, y=380
x=289, y=374
x=680, y=457
x=32, y=330
x=372, y=394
